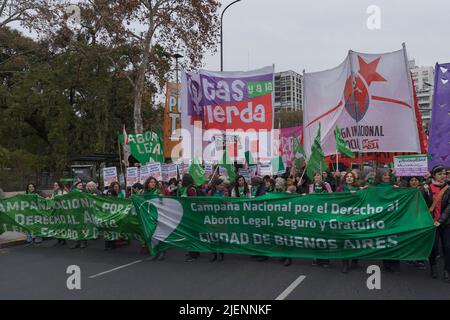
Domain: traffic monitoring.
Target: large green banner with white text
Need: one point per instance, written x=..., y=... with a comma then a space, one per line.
x=74, y=216
x=374, y=223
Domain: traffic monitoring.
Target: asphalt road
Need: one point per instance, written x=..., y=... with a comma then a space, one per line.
x=28, y=272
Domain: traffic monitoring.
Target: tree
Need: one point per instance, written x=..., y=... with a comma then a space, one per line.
x=23, y=11
x=55, y=103
x=288, y=119
x=154, y=29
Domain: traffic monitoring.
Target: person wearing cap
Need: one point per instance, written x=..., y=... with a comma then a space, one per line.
x=437, y=197
x=92, y=188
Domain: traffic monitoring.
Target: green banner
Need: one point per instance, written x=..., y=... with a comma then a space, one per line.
x=74, y=216
x=374, y=223
x=145, y=146
x=257, y=89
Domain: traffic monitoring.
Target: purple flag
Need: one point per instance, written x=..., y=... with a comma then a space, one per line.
x=439, y=142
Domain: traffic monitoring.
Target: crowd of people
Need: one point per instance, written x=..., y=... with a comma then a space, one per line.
x=434, y=186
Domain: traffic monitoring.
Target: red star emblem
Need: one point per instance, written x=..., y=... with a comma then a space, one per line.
x=369, y=70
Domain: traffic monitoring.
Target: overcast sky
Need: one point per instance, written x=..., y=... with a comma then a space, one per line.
x=317, y=34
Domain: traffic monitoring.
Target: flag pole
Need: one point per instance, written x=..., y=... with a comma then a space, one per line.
x=337, y=161
x=120, y=159
x=213, y=174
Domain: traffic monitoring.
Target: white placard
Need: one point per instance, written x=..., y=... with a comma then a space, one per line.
x=144, y=173
x=265, y=169
x=183, y=168
x=223, y=171
x=246, y=173
x=168, y=171
x=208, y=168
x=132, y=176
x=416, y=165
x=109, y=175
x=155, y=170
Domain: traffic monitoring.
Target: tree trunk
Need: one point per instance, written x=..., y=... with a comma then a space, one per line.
x=139, y=86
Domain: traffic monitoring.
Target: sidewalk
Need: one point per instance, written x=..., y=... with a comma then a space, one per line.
x=8, y=239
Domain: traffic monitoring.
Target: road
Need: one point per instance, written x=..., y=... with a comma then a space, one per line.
x=28, y=272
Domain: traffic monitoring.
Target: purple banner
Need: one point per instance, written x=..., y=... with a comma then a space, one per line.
x=439, y=140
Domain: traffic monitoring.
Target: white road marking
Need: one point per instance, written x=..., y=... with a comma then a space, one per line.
x=291, y=288
x=118, y=268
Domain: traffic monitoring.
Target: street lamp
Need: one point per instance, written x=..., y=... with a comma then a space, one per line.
x=176, y=56
x=221, y=33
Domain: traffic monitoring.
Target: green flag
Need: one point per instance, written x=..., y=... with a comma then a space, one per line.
x=249, y=159
x=146, y=146
x=227, y=164
x=278, y=165
x=316, y=162
x=341, y=146
x=298, y=151
x=197, y=172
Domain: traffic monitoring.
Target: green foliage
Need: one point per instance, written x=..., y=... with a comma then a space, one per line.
x=62, y=99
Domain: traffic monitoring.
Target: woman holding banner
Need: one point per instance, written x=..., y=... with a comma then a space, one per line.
x=437, y=196
x=218, y=189
x=320, y=186
x=151, y=187
x=31, y=189
x=116, y=190
x=383, y=179
x=187, y=190
x=58, y=190
x=348, y=184
x=171, y=189
x=240, y=188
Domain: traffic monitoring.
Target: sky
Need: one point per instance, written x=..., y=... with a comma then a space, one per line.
x=316, y=35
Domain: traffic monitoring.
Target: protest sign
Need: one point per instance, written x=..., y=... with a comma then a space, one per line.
x=109, y=175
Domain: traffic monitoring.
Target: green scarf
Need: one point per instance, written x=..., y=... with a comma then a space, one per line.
x=242, y=192
x=182, y=192
x=384, y=184
x=319, y=189
x=152, y=192
x=255, y=191
x=348, y=188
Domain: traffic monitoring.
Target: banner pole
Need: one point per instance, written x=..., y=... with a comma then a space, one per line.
x=120, y=159
x=213, y=174
x=337, y=161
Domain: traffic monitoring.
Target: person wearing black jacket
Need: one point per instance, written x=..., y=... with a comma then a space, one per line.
x=437, y=197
